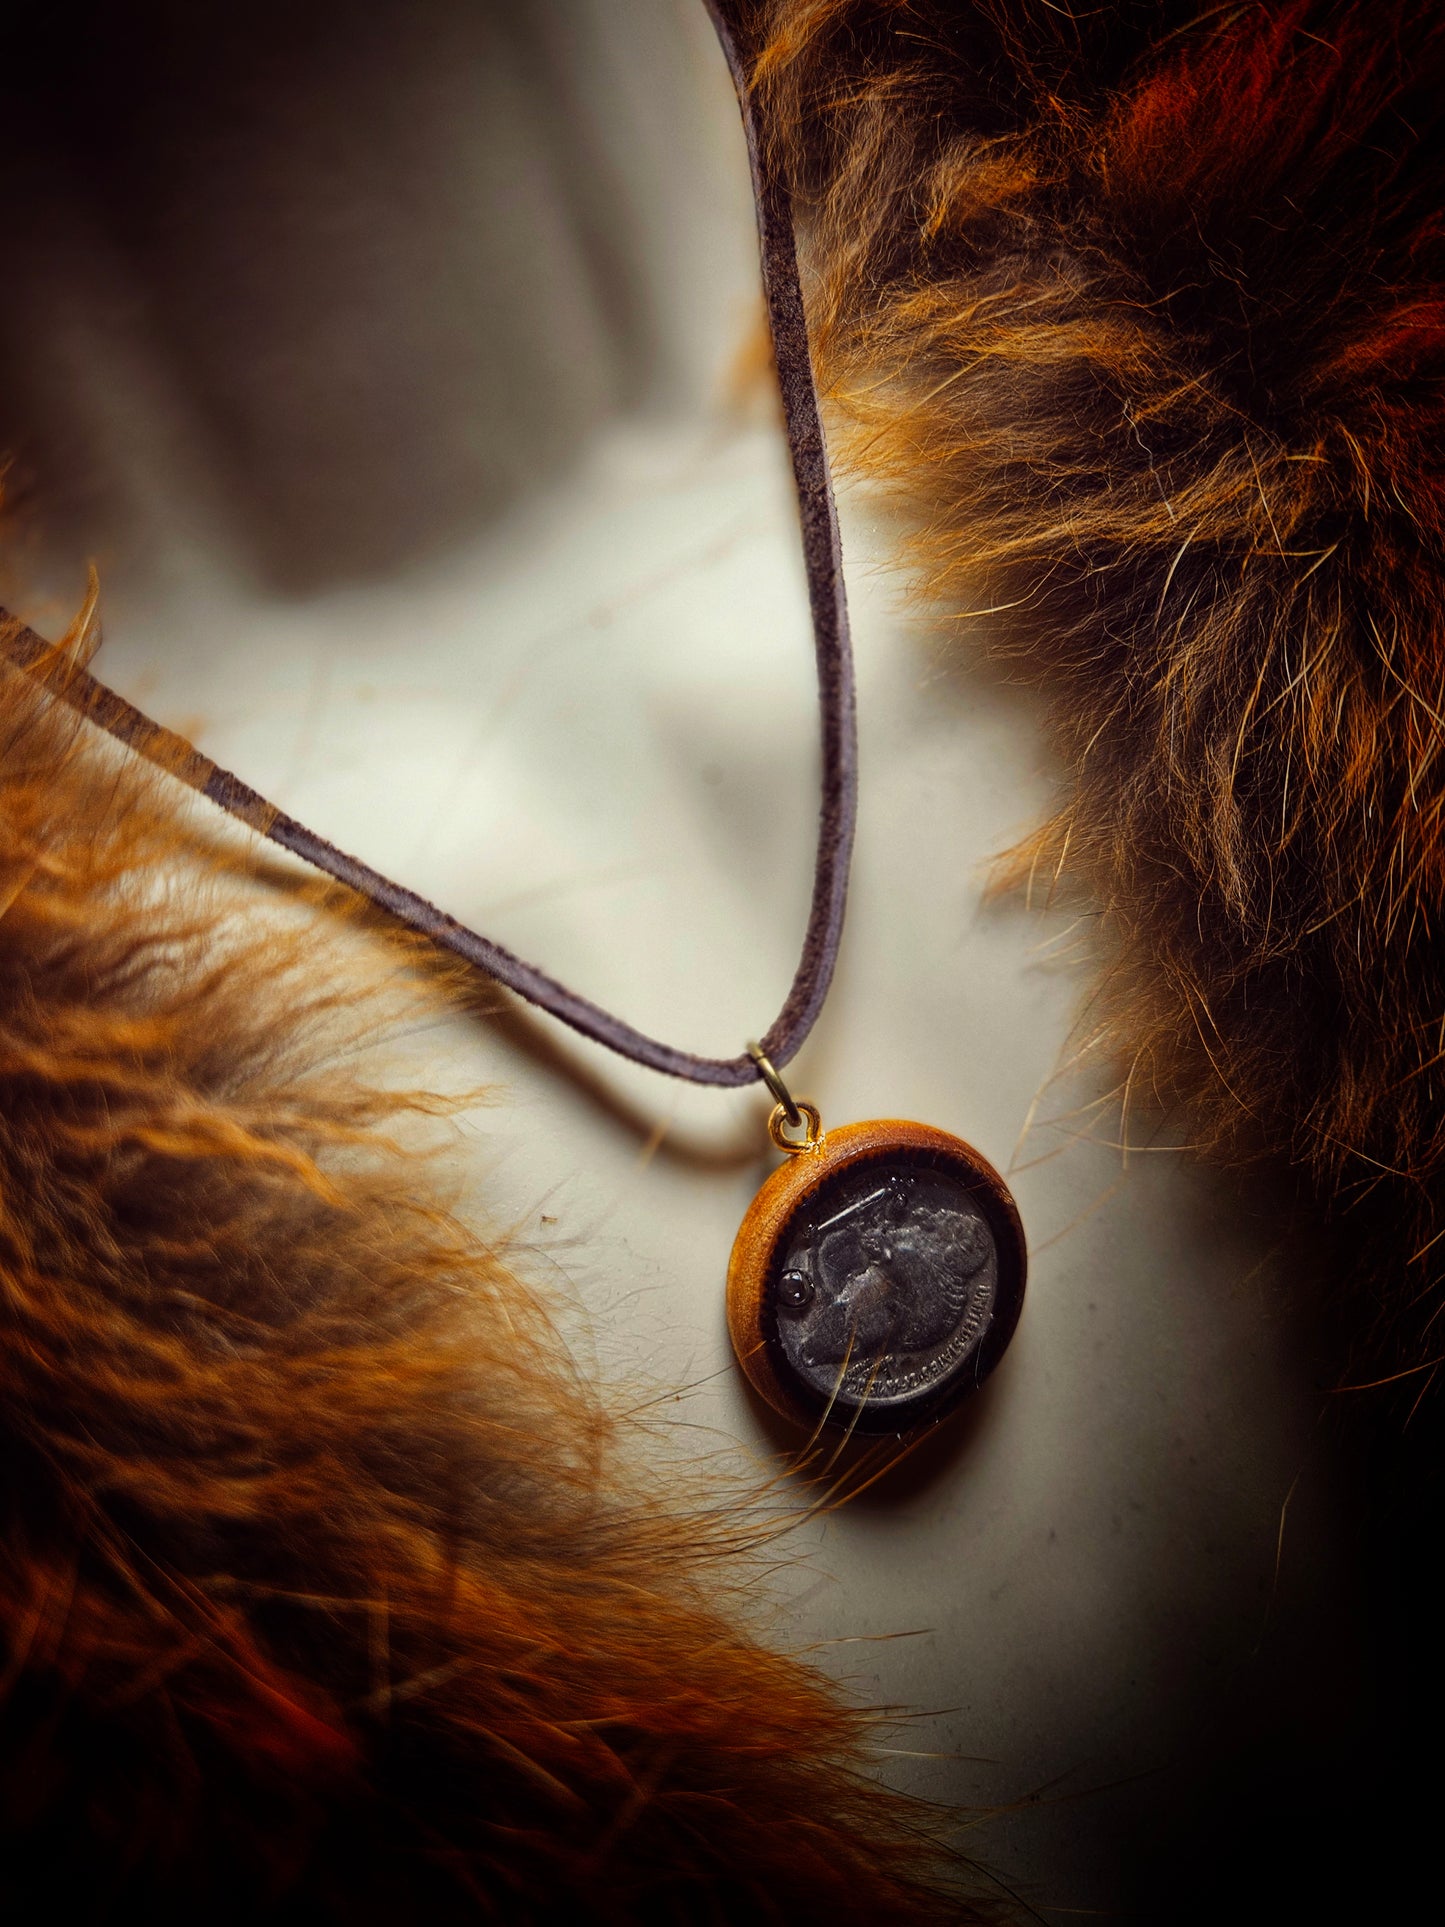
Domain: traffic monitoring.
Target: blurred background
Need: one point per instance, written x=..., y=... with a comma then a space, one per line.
x=456, y=237
x=398, y=364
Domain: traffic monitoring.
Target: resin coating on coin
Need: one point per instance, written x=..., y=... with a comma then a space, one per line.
x=902, y=1274
x=877, y=1279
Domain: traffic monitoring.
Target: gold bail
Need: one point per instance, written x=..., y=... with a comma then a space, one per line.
x=789, y=1114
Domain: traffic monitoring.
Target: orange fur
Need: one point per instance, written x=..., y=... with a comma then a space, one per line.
x=330, y=1591
x=1141, y=309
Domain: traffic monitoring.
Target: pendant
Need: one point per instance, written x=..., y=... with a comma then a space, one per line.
x=878, y=1275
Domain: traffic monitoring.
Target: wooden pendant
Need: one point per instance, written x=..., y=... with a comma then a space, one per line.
x=877, y=1277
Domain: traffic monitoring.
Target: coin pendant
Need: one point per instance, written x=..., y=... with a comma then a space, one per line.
x=877, y=1278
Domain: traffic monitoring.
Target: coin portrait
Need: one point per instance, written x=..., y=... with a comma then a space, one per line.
x=877, y=1279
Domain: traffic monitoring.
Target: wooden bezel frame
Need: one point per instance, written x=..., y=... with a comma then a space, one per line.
x=754, y=1265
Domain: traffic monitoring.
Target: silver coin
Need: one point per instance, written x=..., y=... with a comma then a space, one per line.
x=886, y=1284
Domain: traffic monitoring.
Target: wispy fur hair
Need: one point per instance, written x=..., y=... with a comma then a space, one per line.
x=329, y=1590
x=1139, y=308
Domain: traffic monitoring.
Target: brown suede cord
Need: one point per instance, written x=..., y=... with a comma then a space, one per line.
x=838, y=811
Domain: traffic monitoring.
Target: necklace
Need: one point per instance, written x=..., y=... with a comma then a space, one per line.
x=878, y=1275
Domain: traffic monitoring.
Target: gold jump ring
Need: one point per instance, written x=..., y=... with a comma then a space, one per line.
x=810, y=1119
x=775, y=1084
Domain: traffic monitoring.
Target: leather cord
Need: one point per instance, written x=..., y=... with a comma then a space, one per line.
x=73, y=684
